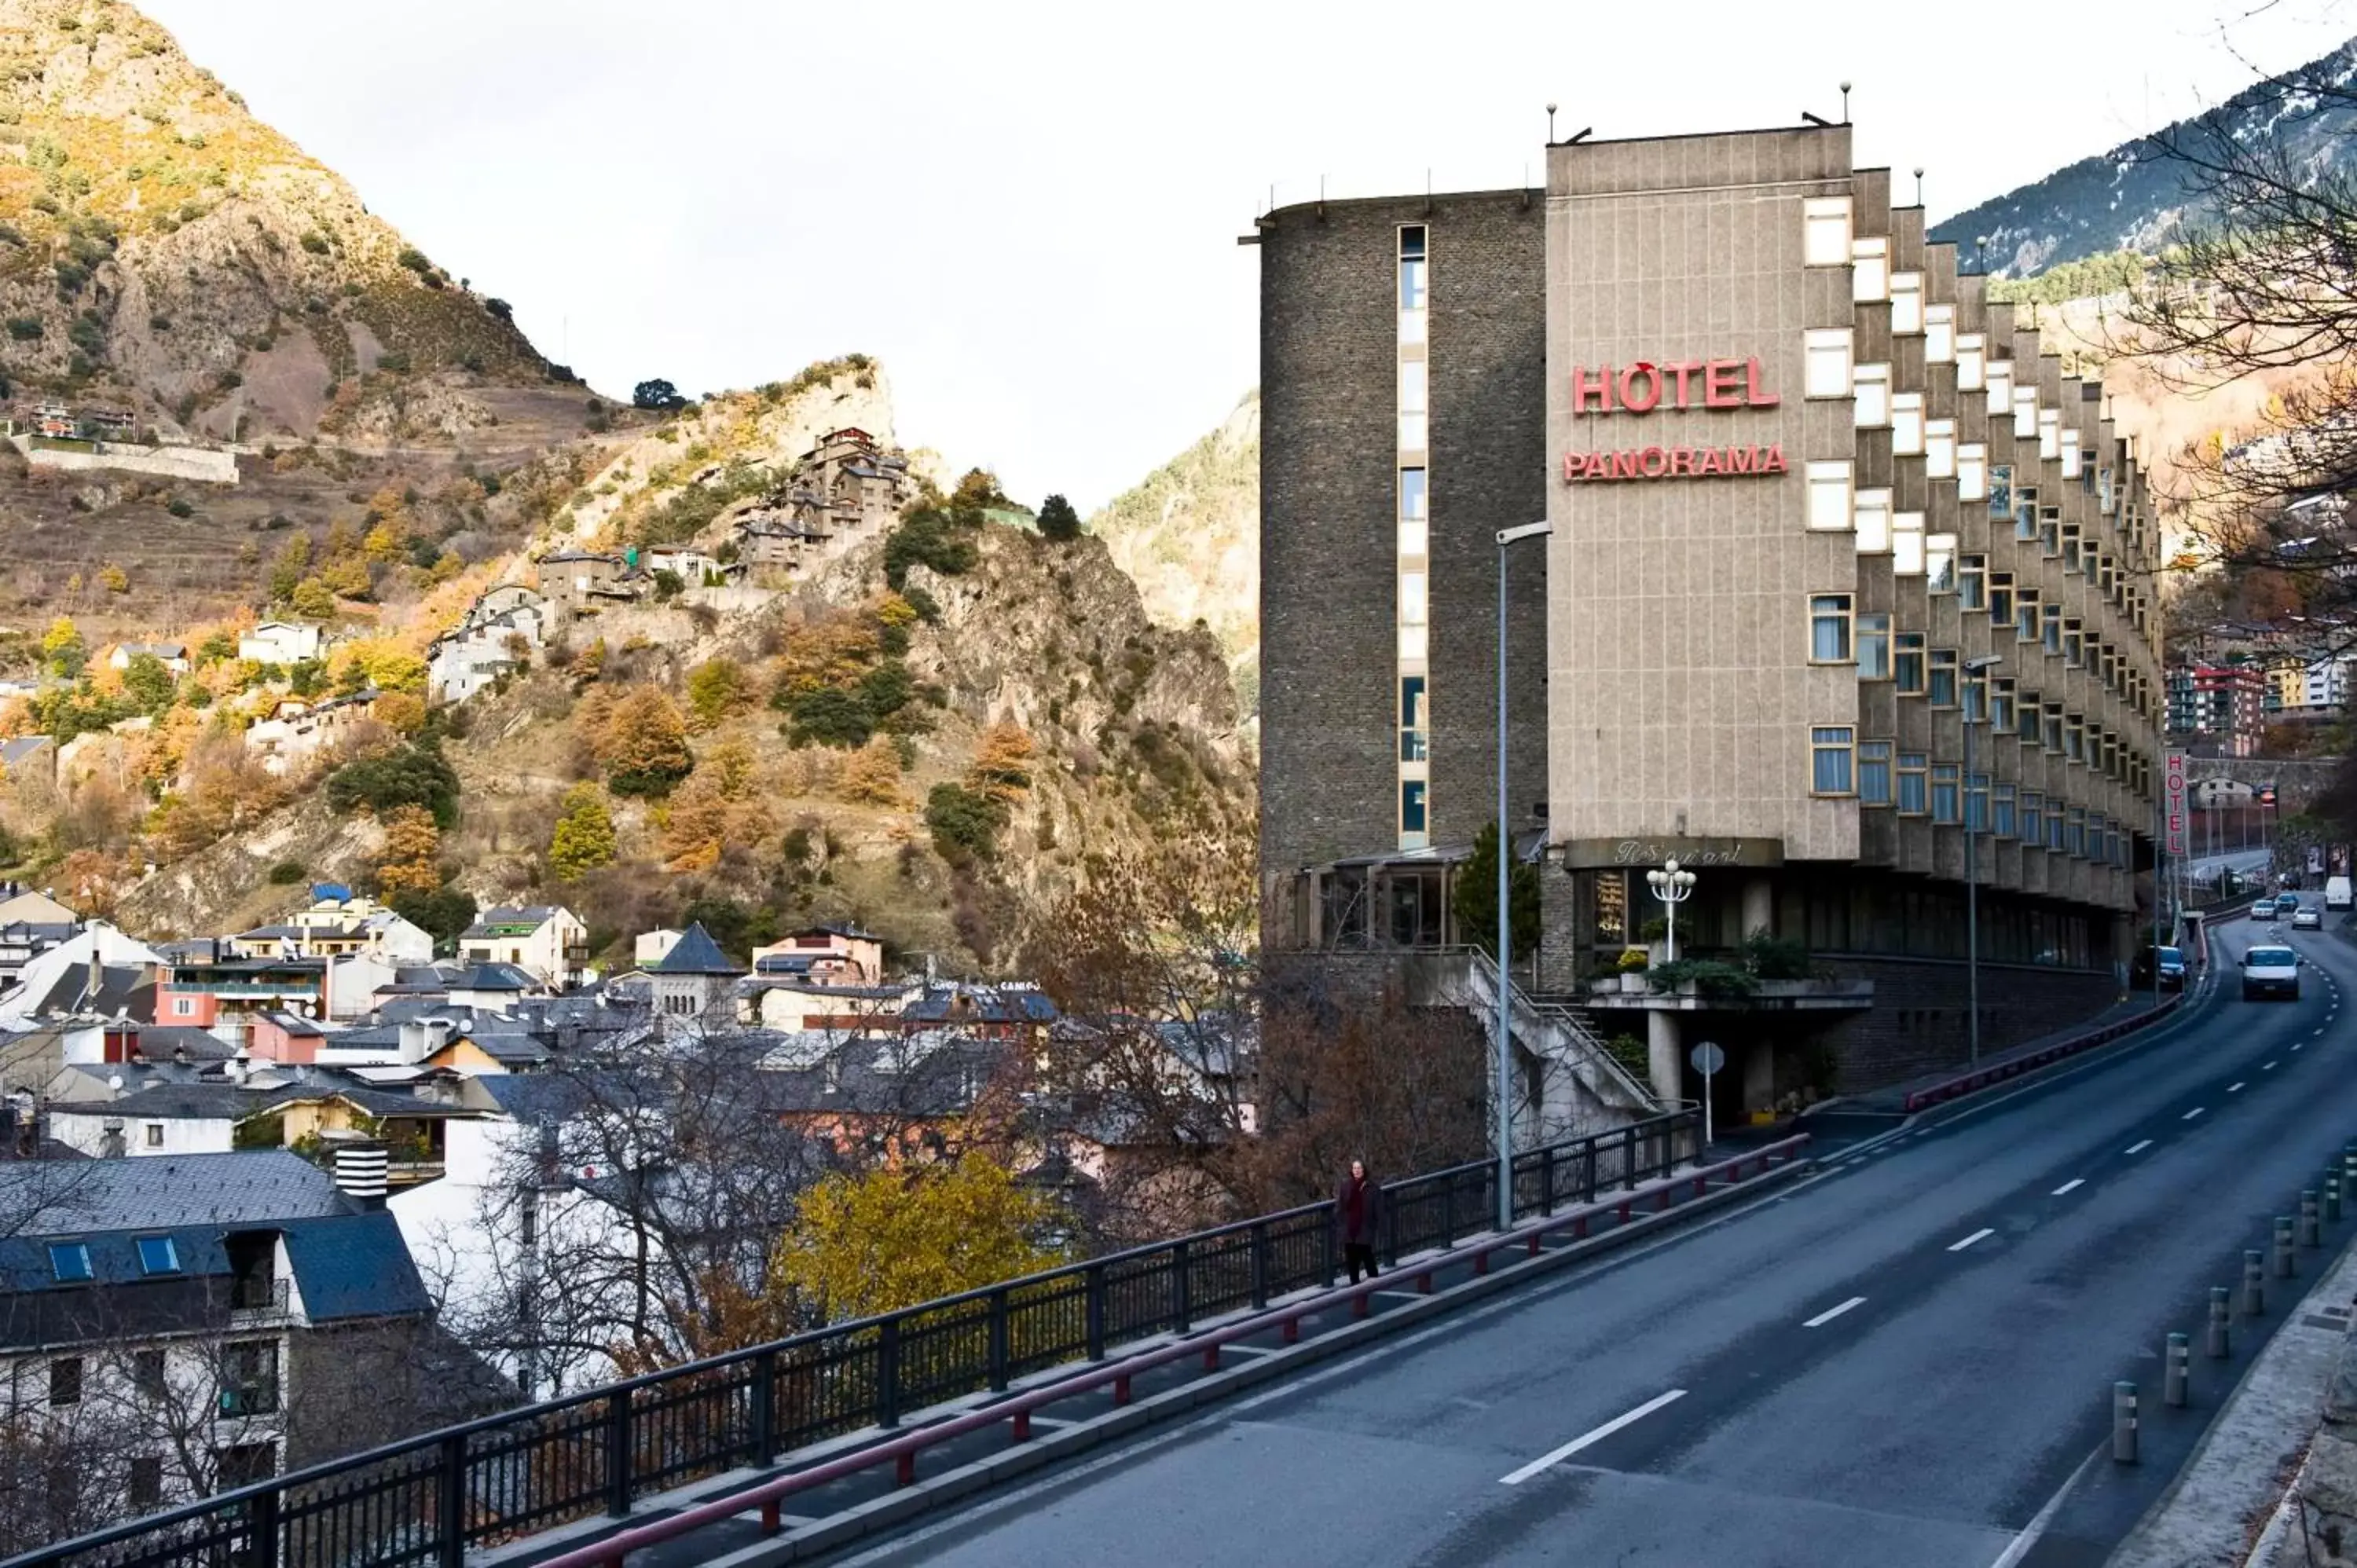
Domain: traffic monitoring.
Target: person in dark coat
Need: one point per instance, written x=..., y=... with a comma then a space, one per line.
x=1358, y=1211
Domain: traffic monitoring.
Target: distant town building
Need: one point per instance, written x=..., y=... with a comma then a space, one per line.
x=548, y=940
x=849, y=486
x=280, y=642
x=172, y=655
x=294, y=729
x=499, y=631
x=693, y=976
x=844, y=953
x=2217, y=710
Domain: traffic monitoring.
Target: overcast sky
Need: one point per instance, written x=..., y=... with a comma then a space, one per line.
x=1030, y=211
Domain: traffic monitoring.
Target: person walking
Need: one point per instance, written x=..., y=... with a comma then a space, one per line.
x=1358, y=1205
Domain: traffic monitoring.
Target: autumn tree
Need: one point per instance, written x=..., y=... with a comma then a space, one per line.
x=64, y=650
x=147, y=684
x=716, y=689
x=583, y=838
x=412, y=843
x=404, y=712
x=643, y=745
x=895, y=1238
x=871, y=776
x=717, y=807
x=1001, y=768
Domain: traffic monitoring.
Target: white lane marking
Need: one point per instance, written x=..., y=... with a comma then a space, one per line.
x=2192, y=1113
x=2013, y=1554
x=2139, y=1148
x=2074, y=1184
x=1256, y=1350
x=1978, y=1235
x=2235, y=1088
x=1594, y=1435
x=1821, y=1319
x=2296, y=1044
x=2266, y=1067
x=2313, y=1035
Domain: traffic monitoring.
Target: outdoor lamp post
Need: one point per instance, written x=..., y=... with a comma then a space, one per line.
x=1672, y=887
x=1505, y=1110
x=1980, y=666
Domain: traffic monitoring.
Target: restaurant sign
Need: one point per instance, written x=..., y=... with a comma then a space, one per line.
x=1692, y=854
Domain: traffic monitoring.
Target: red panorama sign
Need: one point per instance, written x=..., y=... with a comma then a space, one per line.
x=1642, y=387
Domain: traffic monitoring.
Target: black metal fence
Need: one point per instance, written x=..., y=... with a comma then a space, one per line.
x=425, y=1502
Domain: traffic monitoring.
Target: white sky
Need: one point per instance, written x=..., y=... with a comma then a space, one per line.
x=1029, y=210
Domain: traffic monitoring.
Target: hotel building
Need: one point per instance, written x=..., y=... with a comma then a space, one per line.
x=1841, y=560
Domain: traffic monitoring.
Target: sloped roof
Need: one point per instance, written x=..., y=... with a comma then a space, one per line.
x=161, y=1191
x=494, y=977
x=355, y=1266
x=696, y=954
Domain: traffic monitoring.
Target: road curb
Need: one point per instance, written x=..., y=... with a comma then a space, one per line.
x=861, y=1521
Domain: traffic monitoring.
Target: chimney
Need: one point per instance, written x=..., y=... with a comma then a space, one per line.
x=413, y=1042
x=361, y=1173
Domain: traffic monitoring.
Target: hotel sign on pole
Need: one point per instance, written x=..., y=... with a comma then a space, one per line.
x=2173, y=800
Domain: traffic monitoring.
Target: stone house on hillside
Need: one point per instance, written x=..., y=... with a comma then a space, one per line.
x=298, y=728
x=172, y=655
x=848, y=485
x=280, y=642
x=500, y=630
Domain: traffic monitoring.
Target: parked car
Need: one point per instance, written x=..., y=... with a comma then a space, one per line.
x=2308, y=921
x=2270, y=972
x=2170, y=964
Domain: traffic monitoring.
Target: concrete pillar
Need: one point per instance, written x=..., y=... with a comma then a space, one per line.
x=1758, y=1076
x=1663, y=1055
x=1759, y=907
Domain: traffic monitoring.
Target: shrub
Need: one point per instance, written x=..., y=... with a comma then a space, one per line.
x=315, y=242
x=829, y=716
x=417, y=774
x=1634, y=961
x=933, y=538
x=394, y=361
x=286, y=872
x=180, y=506
x=24, y=328
x=964, y=824
x=1777, y=958
x=669, y=585
x=1709, y=977
x=501, y=308
x=415, y=260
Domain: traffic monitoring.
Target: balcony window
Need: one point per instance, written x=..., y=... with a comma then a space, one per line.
x=2070, y=455
x=1977, y=696
x=1826, y=359
x=2000, y=387
x=65, y=1381
x=2000, y=606
x=1412, y=814
x=1414, y=604
x=2054, y=820
x=1940, y=450
x=1907, y=423
x=2033, y=818
x=1824, y=231
x=2001, y=705
x=2028, y=729
x=1972, y=364
x=2073, y=646
x=1830, y=759
x=2050, y=434
x=1874, y=772
x=1829, y=628
x=1976, y=802
x=1415, y=386
x=1972, y=583
x=2050, y=531
x=1914, y=783
x=1940, y=562
x=1972, y=475
x=2001, y=811
x=1906, y=303
x=2025, y=616
x=1907, y=543
x=249, y=1377
x=2000, y=491
x=2050, y=631
x=2025, y=413
x=1907, y=663
x=2052, y=738
x=1874, y=648
x=1411, y=261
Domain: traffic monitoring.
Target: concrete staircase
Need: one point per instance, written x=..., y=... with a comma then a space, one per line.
x=1581, y=1088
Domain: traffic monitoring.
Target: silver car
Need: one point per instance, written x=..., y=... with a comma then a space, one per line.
x=2308, y=921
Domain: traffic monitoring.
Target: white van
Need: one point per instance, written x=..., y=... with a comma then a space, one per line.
x=2336, y=893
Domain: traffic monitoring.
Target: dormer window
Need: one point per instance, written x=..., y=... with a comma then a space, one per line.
x=158, y=1255
x=70, y=1262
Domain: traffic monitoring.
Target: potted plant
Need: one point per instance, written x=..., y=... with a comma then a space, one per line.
x=1632, y=965
x=1655, y=934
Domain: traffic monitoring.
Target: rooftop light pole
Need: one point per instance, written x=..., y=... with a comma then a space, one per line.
x=1980, y=666
x=1505, y=1046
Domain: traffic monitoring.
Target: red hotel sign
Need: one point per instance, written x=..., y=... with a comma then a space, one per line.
x=1641, y=388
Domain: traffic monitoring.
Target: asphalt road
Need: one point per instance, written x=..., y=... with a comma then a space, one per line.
x=1907, y=1359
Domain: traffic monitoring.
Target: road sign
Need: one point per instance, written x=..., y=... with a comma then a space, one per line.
x=2173, y=801
x=1707, y=1059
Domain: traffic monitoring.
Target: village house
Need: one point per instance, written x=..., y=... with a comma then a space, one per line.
x=172, y=655
x=294, y=729
x=771, y=541
x=280, y=642
x=543, y=939
x=28, y=757
x=693, y=976
x=578, y=582
x=832, y=953
x=499, y=631
x=846, y=484
x=693, y=568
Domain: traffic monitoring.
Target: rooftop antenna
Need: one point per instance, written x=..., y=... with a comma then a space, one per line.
x=1817, y=119
x=1844, y=103
x=1550, y=124
x=1919, y=184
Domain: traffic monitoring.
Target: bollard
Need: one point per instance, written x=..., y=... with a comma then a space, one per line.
x=2308, y=1233
x=2255, y=1288
x=2178, y=1360
x=2124, y=1423
x=2285, y=1265
x=2331, y=1196
x=2218, y=1345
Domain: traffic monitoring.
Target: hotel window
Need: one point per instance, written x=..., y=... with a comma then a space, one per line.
x=2025, y=413
x=1912, y=769
x=2025, y=517
x=1414, y=390
x=2001, y=811
x=1972, y=583
x=1410, y=267
x=1827, y=354
x=1414, y=529
x=1972, y=363
x=1829, y=495
x=2052, y=739
x=1411, y=816
x=2033, y=818
x=2000, y=378
x=1907, y=425
x=1874, y=772
x=1873, y=521
x=2069, y=454
x=65, y=1381
x=1873, y=383
x=2025, y=616
x=1941, y=688
x=1972, y=472
x=1874, y=648
x=2072, y=648
x=2071, y=556
x=1824, y=231
x=2050, y=435
x=1940, y=562
x=2049, y=530
x=1869, y=271
x=2054, y=826
x=1977, y=696
x=1907, y=543
x=1907, y=663
x=2001, y=705
x=1939, y=334
x=1413, y=601
x=2087, y=471
x=2028, y=729
x=1976, y=802
x=1829, y=759
x=2074, y=738
x=2000, y=606
x=1906, y=303
x=1829, y=638
x=1940, y=450
x=2074, y=834
x=1412, y=731
x=2051, y=634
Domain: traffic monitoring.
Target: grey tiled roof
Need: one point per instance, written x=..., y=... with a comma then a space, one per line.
x=696, y=954
x=161, y=1191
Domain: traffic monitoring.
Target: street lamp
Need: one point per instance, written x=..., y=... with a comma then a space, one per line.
x=1672, y=887
x=1505, y=1114
x=1980, y=666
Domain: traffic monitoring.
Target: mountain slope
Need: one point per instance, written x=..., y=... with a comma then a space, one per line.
x=1189, y=537
x=2135, y=198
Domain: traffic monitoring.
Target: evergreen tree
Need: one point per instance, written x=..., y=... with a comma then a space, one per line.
x=1058, y=520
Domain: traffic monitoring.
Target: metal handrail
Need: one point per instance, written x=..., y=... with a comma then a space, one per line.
x=1576, y=1025
x=597, y=1451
